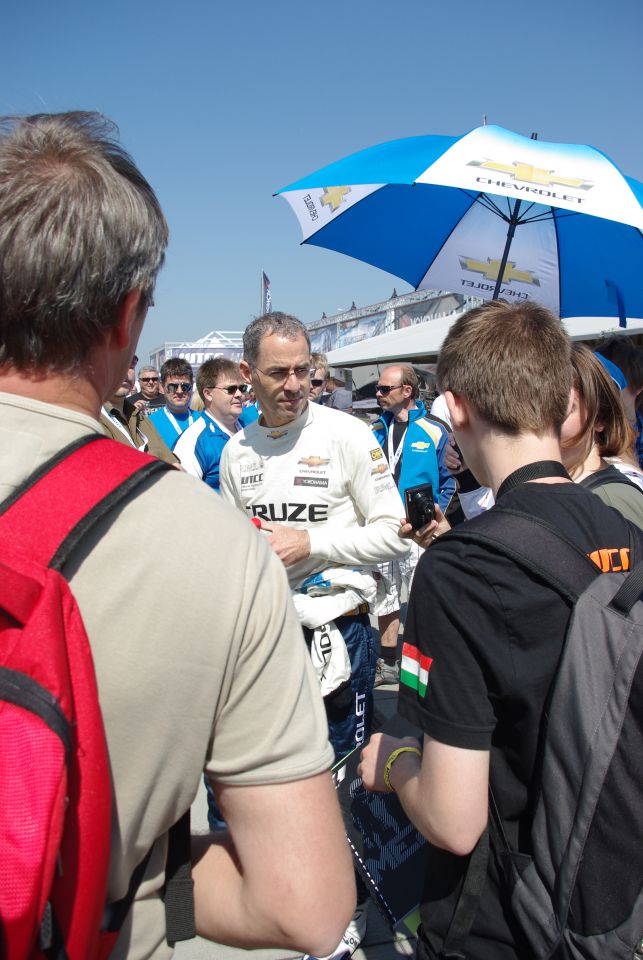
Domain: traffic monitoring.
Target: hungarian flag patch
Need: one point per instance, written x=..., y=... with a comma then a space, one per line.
x=414, y=669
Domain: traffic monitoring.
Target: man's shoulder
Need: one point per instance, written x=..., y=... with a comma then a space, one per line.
x=426, y=426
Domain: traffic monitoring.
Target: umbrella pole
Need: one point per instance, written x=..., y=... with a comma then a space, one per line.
x=513, y=223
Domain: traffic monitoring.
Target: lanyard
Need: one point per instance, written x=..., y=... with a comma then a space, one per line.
x=174, y=421
x=121, y=427
x=394, y=455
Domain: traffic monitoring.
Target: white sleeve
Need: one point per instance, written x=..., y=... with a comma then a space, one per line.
x=377, y=502
x=185, y=449
x=227, y=488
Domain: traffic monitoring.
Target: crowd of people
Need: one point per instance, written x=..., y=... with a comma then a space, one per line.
x=231, y=628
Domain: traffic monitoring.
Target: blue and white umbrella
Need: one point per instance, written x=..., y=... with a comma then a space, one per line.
x=487, y=214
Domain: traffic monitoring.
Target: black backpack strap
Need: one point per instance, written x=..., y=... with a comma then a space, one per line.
x=533, y=543
x=610, y=474
x=179, y=885
x=466, y=908
x=178, y=891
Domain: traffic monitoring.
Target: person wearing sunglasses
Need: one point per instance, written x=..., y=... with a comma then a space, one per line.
x=222, y=389
x=175, y=415
x=414, y=444
x=148, y=397
x=319, y=378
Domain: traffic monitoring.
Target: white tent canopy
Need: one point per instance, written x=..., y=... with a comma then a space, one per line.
x=424, y=340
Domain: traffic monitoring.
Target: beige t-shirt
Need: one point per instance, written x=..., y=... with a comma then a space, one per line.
x=199, y=657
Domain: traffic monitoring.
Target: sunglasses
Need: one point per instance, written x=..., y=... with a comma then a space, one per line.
x=316, y=382
x=149, y=379
x=178, y=387
x=233, y=388
x=384, y=389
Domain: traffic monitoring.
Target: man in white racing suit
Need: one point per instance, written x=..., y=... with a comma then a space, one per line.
x=319, y=484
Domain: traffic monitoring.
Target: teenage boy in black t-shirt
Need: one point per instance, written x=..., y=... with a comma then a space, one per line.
x=483, y=636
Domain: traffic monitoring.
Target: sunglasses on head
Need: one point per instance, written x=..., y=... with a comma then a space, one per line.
x=232, y=388
x=178, y=387
x=384, y=388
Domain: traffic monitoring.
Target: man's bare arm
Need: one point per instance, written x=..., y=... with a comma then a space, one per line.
x=285, y=877
x=444, y=792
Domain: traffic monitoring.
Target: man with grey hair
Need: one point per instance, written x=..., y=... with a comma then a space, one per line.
x=149, y=396
x=321, y=489
x=82, y=238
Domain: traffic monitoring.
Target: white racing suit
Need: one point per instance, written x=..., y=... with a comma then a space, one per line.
x=325, y=473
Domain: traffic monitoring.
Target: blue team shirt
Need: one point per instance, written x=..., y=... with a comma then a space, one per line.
x=199, y=449
x=172, y=425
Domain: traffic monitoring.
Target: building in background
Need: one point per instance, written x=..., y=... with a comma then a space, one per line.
x=328, y=333
x=396, y=313
x=217, y=343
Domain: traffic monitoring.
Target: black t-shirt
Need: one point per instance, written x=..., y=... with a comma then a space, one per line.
x=494, y=634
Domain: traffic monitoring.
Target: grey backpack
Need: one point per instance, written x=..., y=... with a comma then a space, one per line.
x=579, y=894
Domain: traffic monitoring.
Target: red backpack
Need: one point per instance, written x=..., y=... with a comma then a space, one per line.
x=55, y=793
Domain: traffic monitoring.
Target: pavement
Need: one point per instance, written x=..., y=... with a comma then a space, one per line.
x=380, y=942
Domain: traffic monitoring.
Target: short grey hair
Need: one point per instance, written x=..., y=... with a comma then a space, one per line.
x=80, y=228
x=148, y=369
x=282, y=324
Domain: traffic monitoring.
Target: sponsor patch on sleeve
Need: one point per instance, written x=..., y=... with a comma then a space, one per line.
x=377, y=454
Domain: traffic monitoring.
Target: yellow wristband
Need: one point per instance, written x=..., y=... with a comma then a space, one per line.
x=391, y=760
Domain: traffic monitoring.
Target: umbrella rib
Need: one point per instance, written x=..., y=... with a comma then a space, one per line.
x=447, y=237
x=560, y=291
x=485, y=201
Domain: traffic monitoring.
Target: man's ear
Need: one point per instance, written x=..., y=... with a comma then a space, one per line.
x=245, y=370
x=458, y=407
x=128, y=324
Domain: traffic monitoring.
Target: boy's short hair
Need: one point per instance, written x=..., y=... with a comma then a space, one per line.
x=512, y=363
x=176, y=367
x=209, y=373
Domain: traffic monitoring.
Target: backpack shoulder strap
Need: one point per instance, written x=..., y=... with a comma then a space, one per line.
x=610, y=474
x=533, y=543
x=63, y=499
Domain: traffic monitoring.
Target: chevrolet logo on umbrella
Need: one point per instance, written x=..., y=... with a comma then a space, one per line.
x=491, y=269
x=334, y=197
x=527, y=173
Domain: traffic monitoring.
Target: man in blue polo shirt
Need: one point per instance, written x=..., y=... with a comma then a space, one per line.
x=221, y=388
x=176, y=386
x=414, y=445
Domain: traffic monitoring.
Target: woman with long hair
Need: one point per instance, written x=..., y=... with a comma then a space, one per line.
x=597, y=440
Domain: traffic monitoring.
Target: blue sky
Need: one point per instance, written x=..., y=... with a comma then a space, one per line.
x=221, y=104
